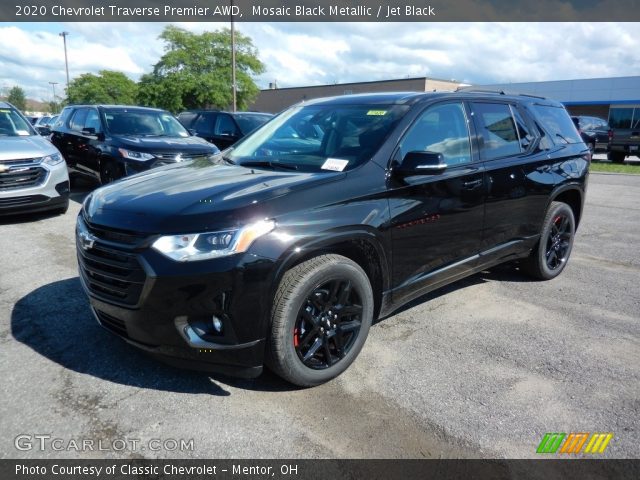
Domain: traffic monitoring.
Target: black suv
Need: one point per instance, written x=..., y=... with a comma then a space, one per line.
x=223, y=129
x=107, y=142
x=338, y=211
x=624, y=136
x=593, y=130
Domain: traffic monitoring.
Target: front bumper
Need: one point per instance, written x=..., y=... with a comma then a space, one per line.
x=50, y=193
x=161, y=307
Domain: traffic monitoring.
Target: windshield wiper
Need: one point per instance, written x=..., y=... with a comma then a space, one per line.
x=268, y=163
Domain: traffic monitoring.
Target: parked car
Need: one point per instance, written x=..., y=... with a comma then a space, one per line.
x=32, y=119
x=33, y=176
x=107, y=142
x=42, y=125
x=593, y=130
x=223, y=129
x=624, y=136
x=333, y=214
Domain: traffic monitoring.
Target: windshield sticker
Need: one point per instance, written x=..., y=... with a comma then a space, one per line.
x=22, y=133
x=377, y=113
x=335, y=164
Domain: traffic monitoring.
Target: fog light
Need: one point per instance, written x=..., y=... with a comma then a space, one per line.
x=217, y=324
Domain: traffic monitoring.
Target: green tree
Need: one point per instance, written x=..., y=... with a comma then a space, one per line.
x=17, y=98
x=195, y=71
x=107, y=87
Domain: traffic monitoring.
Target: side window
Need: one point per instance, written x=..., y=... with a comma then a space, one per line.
x=524, y=134
x=226, y=126
x=78, y=119
x=204, y=123
x=93, y=121
x=497, y=129
x=187, y=118
x=558, y=123
x=442, y=129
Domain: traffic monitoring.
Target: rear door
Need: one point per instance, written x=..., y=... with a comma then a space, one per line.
x=73, y=141
x=89, y=141
x=436, y=219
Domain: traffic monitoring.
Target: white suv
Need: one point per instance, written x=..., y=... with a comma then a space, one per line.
x=33, y=174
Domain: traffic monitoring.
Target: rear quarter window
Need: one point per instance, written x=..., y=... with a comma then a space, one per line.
x=557, y=122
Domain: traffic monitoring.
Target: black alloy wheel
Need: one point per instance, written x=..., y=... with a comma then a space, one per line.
x=558, y=242
x=549, y=258
x=322, y=311
x=110, y=172
x=328, y=324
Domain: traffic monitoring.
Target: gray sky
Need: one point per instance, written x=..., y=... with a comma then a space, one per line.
x=295, y=54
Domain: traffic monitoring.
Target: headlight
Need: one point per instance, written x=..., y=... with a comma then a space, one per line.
x=132, y=155
x=203, y=246
x=54, y=159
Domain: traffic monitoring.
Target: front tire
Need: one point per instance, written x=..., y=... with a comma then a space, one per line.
x=552, y=253
x=321, y=315
x=110, y=171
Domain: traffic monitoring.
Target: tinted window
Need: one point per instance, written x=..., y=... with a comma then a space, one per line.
x=624, y=118
x=497, y=129
x=226, y=126
x=523, y=130
x=557, y=122
x=187, y=118
x=204, y=123
x=93, y=121
x=150, y=123
x=248, y=122
x=78, y=119
x=442, y=129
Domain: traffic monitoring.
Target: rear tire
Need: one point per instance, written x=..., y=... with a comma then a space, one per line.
x=321, y=316
x=551, y=255
x=616, y=157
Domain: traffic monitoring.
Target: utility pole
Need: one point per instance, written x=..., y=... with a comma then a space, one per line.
x=66, y=61
x=233, y=60
x=53, y=86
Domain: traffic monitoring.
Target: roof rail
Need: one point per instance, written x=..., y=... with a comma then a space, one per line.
x=496, y=92
x=479, y=90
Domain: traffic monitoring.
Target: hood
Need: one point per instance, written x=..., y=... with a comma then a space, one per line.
x=193, y=145
x=197, y=195
x=22, y=147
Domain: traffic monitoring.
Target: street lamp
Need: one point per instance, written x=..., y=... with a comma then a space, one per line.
x=53, y=86
x=233, y=59
x=66, y=61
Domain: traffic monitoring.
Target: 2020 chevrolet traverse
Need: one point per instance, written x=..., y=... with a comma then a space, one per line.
x=338, y=211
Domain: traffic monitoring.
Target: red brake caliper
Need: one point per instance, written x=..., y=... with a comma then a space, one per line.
x=296, y=340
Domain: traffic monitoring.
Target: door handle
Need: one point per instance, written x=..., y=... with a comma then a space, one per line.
x=471, y=184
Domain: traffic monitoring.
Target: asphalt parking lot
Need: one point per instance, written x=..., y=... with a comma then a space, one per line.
x=482, y=368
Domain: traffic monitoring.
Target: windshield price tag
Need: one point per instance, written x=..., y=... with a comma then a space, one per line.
x=335, y=164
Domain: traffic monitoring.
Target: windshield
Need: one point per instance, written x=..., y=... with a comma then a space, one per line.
x=144, y=123
x=249, y=122
x=12, y=124
x=319, y=137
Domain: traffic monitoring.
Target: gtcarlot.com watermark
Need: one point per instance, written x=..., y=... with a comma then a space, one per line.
x=43, y=442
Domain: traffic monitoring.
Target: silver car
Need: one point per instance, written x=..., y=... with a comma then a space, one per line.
x=33, y=174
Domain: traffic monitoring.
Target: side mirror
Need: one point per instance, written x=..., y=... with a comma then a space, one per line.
x=421, y=163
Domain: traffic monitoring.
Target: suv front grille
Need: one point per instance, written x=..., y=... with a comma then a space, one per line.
x=169, y=158
x=20, y=201
x=21, y=176
x=117, y=236
x=112, y=273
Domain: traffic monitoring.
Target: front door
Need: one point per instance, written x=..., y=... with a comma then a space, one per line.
x=437, y=218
